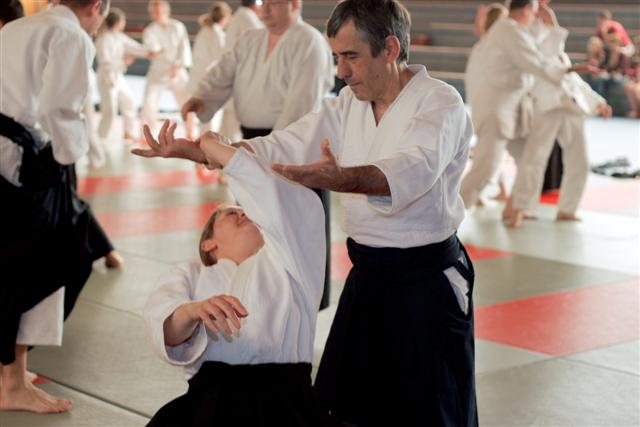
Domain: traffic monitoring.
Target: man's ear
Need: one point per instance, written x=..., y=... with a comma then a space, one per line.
x=392, y=46
x=95, y=8
x=208, y=245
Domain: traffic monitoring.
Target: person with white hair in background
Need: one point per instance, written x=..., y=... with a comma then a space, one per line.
x=168, y=70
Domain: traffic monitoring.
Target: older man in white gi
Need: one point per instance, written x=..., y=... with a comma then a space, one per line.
x=400, y=350
x=42, y=133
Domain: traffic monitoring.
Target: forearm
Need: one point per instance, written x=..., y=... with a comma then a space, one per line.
x=217, y=153
x=243, y=144
x=181, y=325
x=367, y=180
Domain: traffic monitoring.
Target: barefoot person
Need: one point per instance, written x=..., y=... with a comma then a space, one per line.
x=42, y=133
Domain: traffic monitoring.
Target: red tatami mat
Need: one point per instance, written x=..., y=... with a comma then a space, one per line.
x=621, y=194
x=565, y=322
x=340, y=263
x=91, y=185
x=155, y=221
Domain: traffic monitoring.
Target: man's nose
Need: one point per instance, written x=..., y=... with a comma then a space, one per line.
x=343, y=71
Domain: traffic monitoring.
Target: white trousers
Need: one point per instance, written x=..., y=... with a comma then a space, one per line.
x=568, y=128
x=488, y=156
x=113, y=96
x=96, y=151
x=42, y=325
x=153, y=90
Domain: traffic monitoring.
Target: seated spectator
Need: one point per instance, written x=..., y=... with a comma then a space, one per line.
x=613, y=67
x=606, y=24
x=632, y=85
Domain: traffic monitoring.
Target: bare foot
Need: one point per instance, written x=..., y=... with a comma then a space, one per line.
x=501, y=197
x=562, y=216
x=113, y=260
x=27, y=397
x=516, y=219
x=30, y=377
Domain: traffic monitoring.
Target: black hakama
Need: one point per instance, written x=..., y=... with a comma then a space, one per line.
x=401, y=351
x=50, y=237
x=264, y=395
x=325, y=198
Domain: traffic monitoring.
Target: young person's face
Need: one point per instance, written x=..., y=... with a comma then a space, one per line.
x=235, y=233
x=365, y=74
x=159, y=13
x=94, y=17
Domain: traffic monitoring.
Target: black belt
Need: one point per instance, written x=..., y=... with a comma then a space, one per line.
x=248, y=133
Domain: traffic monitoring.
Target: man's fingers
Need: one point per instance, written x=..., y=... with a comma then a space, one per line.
x=326, y=149
x=144, y=153
x=206, y=319
x=170, y=139
x=162, y=136
x=146, y=130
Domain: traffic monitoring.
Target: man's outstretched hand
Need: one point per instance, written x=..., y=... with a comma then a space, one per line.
x=168, y=146
x=326, y=173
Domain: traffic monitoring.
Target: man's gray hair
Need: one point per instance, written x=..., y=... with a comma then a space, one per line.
x=376, y=20
x=80, y=4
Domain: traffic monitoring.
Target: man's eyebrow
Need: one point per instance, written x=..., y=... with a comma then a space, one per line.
x=345, y=52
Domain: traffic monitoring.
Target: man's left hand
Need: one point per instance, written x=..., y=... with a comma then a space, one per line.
x=326, y=173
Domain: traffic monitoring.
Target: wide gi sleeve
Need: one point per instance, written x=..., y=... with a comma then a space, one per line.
x=526, y=54
x=173, y=290
x=290, y=215
x=65, y=87
x=299, y=143
x=132, y=47
x=431, y=141
x=216, y=87
x=310, y=80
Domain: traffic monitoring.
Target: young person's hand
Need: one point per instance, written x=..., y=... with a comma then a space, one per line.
x=168, y=146
x=216, y=313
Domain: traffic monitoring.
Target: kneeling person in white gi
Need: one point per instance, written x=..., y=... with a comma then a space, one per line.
x=267, y=271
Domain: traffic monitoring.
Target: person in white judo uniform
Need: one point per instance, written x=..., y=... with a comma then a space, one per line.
x=208, y=48
x=168, y=70
x=114, y=53
x=512, y=59
x=44, y=86
x=559, y=114
x=242, y=322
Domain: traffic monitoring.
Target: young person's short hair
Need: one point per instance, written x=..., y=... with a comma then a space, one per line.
x=79, y=4
x=218, y=11
x=376, y=20
x=10, y=10
x=207, y=233
x=247, y=3
x=521, y=4
x=114, y=16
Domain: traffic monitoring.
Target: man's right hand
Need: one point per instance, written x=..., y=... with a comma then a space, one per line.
x=216, y=313
x=193, y=105
x=168, y=146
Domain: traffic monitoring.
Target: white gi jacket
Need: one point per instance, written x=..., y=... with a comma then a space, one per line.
x=272, y=92
x=45, y=81
x=111, y=48
x=421, y=145
x=207, y=51
x=511, y=60
x=173, y=40
x=242, y=20
x=281, y=285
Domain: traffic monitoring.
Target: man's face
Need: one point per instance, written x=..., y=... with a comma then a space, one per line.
x=364, y=73
x=234, y=231
x=159, y=12
x=277, y=15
